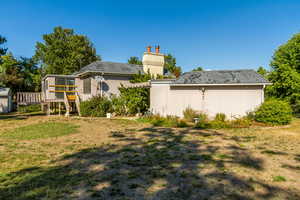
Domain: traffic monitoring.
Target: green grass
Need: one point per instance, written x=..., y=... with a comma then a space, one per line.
x=279, y=178
x=42, y=130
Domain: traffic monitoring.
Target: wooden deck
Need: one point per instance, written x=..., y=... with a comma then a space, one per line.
x=27, y=98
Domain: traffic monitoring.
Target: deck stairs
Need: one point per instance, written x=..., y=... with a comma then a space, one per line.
x=69, y=100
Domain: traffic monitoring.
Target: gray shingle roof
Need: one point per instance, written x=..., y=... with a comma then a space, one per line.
x=4, y=91
x=221, y=77
x=111, y=67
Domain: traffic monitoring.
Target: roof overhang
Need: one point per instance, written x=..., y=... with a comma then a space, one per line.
x=59, y=75
x=172, y=83
x=222, y=84
x=105, y=73
x=162, y=81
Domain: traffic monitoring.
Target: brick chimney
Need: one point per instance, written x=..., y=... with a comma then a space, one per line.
x=153, y=62
x=157, y=49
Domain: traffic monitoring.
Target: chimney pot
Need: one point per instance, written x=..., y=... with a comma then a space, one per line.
x=148, y=49
x=157, y=49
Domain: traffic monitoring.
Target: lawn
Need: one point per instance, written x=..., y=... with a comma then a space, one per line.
x=82, y=158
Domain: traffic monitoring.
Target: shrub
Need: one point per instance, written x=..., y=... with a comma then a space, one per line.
x=181, y=124
x=118, y=105
x=155, y=120
x=203, y=121
x=221, y=117
x=95, y=107
x=136, y=100
x=189, y=114
x=216, y=124
x=250, y=115
x=169, y=121
x=295, y=103
x=275, y=112
x=202, y=117
x=29, y=108
x=243, y=122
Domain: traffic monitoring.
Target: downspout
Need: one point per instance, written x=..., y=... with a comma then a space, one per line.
x=101, y=91
x=203, y=99
x=263, y=94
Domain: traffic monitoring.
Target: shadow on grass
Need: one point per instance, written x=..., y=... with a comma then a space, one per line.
x=162, y=164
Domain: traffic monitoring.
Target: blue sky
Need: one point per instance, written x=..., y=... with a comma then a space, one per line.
x=215, y=34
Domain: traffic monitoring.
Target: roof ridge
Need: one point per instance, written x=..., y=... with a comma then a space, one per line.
x=117, y=63
x=222, y=76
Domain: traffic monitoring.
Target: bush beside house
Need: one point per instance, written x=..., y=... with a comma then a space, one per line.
x=129, y=102
x=274, y=112
x=95, y=107
x=271, y=112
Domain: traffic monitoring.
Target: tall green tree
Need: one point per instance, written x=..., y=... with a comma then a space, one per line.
x=64, y=52
x=10, y=73
x=31, y=74
x=2, y=49
x=170, y=65
x=198, y=69
x=134, y=60
x=285, y=69
x=262, y=71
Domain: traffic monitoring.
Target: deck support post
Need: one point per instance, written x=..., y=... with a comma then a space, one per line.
x=59, y=108
x=48, y=108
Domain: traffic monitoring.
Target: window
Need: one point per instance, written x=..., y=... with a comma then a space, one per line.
x=87, y=86
x=59, y=87
x=63, y=85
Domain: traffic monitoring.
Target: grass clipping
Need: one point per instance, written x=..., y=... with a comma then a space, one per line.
x=42, y=130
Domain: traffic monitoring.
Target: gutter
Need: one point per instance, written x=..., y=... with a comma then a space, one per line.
x=226, y=84
x=105, y=73
x=59, y=75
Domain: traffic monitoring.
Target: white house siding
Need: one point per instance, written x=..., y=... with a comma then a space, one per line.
x=110, y=86
x=231, y=100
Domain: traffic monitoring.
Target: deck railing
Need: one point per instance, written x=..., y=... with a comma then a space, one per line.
x=25, y=98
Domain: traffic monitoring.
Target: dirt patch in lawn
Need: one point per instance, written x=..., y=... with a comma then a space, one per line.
x=122, y=159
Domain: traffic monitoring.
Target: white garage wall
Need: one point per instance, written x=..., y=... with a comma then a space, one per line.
x=234, y=101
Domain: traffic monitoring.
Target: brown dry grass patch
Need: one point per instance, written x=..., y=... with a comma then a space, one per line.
x=123, y=159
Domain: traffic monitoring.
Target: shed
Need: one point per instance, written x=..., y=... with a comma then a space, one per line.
x=232, y=92
x=5, y=100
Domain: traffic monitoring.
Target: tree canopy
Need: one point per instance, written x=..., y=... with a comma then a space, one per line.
x=262, y=71
x=134, y=60
x=2, y=49
x=285, y=73
x=197, y=69
x=170, y=65
x=64, y=52
x=19, y=74
x=10, y=73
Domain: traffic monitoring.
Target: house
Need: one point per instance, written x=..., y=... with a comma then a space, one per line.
x=97, y=78
x=232, y=92
x=5, y=100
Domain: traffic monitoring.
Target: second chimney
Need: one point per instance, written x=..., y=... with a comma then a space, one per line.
x=157, y=49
